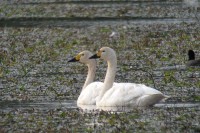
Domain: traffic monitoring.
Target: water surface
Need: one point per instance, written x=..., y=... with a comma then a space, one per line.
x=39, y=89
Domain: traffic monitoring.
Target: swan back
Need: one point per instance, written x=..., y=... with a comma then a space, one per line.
x=130, y=94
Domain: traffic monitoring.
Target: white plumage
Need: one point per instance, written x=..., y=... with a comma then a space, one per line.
x=123, y=94
x=90, y=88
x=89, y=94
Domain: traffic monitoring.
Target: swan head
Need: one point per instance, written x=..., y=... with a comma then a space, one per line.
x=82, y=57
x=191, y=55
x=105, y=53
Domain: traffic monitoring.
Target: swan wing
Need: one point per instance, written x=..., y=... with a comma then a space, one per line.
x=130, y=94
x=89, y=94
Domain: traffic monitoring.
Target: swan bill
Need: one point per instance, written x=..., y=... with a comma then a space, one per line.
x=94, y=56
x=73, y=60
x=76, y=58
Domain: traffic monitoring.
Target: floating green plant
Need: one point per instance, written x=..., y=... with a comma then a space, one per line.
x=30, y=50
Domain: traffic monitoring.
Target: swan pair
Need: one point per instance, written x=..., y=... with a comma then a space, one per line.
x=108, y=93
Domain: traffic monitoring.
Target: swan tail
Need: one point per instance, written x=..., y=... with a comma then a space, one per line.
x=149, y=100
x=165, y=98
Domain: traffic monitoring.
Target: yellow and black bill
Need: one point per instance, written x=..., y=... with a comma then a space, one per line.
x=73, y=60
x=97, y=55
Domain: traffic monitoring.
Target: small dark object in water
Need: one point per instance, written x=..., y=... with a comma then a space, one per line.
x=192, y=61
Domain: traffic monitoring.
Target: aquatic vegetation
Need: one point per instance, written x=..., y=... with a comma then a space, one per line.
x=34, y=68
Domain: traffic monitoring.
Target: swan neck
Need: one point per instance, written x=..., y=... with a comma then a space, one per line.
x=91, y=73
x=110, y=76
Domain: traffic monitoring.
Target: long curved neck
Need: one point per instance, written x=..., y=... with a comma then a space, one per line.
x=91, y=73
x=110, y=76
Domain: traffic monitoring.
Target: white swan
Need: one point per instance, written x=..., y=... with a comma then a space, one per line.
x=90, y=89
x=123, y=94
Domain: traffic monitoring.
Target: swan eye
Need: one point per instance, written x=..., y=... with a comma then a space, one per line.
x=103, y=51
x=82, y=54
